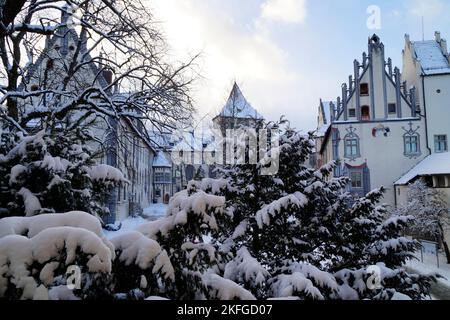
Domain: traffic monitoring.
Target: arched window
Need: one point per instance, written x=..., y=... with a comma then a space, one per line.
x=365, y=113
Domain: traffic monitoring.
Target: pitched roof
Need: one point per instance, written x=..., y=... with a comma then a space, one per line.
x=325, y=108
x=238, y=107
x=431, y=57
x=160, y=160
x=437, y=163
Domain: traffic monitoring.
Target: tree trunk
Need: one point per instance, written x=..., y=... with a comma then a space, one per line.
x=444, y=243
x=10, y=10
x=447, y=251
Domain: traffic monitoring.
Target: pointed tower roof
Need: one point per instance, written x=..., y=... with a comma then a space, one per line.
x=238, y=107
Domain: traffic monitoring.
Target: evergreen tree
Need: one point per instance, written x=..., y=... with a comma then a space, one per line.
x=299, y=233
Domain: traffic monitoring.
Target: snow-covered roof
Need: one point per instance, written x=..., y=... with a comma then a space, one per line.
x=238, y=107
x=327, y=110
x=437, y=163
x=163, y=140
x=160, y=160
x=322, y=130
x=326, y=113
x=431, y=57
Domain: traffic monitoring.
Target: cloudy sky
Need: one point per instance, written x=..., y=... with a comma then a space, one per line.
x=286, y=54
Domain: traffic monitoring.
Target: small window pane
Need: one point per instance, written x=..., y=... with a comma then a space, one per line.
x=351, y=147
x=356, y=178
x=392, y=108
x=411, y=144
x=440, y=143
x=364, y=89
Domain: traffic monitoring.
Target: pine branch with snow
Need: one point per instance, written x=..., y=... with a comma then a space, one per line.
x=44, y=173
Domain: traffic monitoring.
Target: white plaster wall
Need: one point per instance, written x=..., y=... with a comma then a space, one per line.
x=438, y=106
x=384, y=155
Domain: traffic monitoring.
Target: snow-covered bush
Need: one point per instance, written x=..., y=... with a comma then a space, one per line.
x=140, y=264
x=430, y=212
x=30, y=266
x=53, y=172
x=188, y=234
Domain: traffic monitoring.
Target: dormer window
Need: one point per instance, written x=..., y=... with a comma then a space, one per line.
x=364, y=89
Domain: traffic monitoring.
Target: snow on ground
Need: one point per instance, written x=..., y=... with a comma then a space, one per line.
x=429, y=265
x=128, y=224
x=440, y=290
x=154, y=212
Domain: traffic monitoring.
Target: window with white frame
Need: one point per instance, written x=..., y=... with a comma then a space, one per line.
x=411, y=143
x=440, y=143
x=351, y=147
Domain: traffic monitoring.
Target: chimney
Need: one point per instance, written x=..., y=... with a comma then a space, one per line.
x=444, y=46
x=437, y=36
x=412, y=95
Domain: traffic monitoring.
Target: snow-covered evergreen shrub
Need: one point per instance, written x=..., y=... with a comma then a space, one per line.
x=141, y=265
x=30, y=266
x=52, y=172
x=36, y=254
x=188, y=234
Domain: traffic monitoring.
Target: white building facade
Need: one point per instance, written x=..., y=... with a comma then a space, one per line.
x=426, y=66
x=375, y=132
